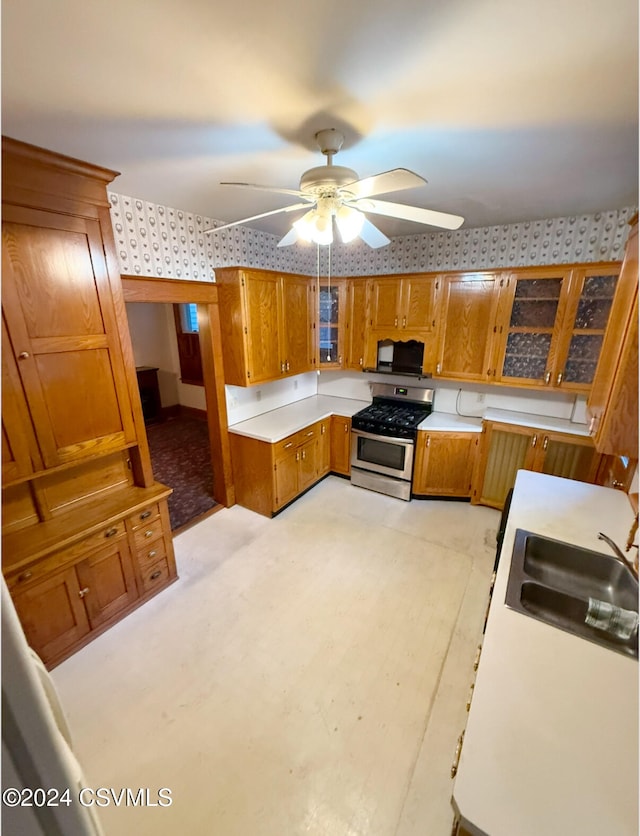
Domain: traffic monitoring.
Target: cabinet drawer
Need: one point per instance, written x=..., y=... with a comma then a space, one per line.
x=151, y=553
x=143, y=517
x=295, y=440
x=155, y=575
x=70, y=555
x=147, y=534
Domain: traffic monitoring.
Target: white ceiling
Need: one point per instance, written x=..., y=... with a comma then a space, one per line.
x=511, y=110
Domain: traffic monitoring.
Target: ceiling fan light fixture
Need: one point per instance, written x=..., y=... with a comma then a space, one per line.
x=349, y=222
x=314, y=227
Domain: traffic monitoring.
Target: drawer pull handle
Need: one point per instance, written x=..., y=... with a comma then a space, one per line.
x=309, y=434
x=346, y=428
x=547, y=378
x=24, y=577
x=24, y=355
x=155, y=575
x=456, y=757
x=145, y=515
x=152, y=553
x=111, y=532
x=148, y=533
x=84, y=592
x=288, y=444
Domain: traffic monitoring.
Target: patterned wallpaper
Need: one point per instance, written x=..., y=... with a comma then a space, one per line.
x=155, y=240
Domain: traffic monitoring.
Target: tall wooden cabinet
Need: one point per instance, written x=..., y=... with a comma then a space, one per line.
x=613, y=401
x=75, y=457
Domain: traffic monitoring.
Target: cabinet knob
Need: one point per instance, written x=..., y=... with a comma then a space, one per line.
x=111, y=532
x=84, y=592
x=24, y=577
x=152, y=553
x=155, y=575
x=24, y=355
x=148, y=533
x=145, y=515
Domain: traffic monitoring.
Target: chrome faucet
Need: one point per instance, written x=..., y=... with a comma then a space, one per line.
x=619, y=554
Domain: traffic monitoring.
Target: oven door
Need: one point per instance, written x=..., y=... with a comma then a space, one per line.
x=380, y=454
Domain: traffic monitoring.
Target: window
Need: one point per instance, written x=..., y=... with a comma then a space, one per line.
x=186, y=318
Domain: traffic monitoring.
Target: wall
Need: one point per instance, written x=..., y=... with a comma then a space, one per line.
x=247, y=402
x=153, y=336
x=466, y=399
x=155, y=240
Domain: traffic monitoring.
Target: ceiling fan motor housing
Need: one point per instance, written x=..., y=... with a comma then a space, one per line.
x=326, y=179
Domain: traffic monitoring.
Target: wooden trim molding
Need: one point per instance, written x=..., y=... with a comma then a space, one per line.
x=205, y=294
x=171, y=291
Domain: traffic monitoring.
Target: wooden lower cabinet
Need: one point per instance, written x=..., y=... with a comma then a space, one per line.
x=444, y=463
x=66, y=597
x=269, y=476
x=340, y=445
x=507, y=448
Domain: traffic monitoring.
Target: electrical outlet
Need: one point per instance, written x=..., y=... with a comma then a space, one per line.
x=480, y=398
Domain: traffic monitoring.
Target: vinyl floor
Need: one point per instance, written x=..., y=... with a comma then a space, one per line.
x=306, y=675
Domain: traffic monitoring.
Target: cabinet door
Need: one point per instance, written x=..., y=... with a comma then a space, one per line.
x=298, y=353
x=285, y=478
x=52, y=614
x=534, y=305
x=308, y=463
x=331, y=313
x=356, y=324
x=261, y=301
x=418, y=303
x=386, y=298
x=505, y=449
x=568, y=456
x=444, y=463
x=591, y=298
x=340, y=445
x=107, y=582
x=324, y=447
x=61, y=321
x=467, y=315
x=20, y=454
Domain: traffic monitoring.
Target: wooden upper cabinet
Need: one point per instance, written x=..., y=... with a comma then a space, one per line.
x=552, y=323
x=467, y=310
x=267, y=322
x=356, y=324
x=331, y=323
x=60, y=317
x=613, y=400
x=403, y=303
x=296, y=330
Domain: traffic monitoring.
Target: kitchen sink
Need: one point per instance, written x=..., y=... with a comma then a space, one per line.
x=553, y=581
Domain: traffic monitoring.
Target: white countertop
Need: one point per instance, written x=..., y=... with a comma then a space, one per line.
x=551, y=745
x=540, y=422
x=279, y=423
x=445, y=422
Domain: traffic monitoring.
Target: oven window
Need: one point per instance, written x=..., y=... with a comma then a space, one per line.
x=384, y=453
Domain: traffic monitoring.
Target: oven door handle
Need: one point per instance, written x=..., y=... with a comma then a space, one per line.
x=406, y=442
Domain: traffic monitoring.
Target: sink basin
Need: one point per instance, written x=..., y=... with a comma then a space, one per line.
x=552, y=581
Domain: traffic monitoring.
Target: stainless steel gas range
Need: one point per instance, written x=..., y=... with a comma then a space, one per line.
x=383, y=437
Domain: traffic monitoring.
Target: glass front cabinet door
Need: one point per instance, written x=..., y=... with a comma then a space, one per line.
x=331, y=307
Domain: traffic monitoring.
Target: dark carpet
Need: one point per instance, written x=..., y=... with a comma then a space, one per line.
x=181, y=458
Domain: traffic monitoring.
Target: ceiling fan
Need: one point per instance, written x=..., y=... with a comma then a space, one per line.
x=333, y=193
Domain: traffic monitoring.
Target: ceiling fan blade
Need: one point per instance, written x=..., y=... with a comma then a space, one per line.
x=294, y=192
x=290, y=238
x=256, y=217
x=372, y=236
x=409, y=213
x=388, y=181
